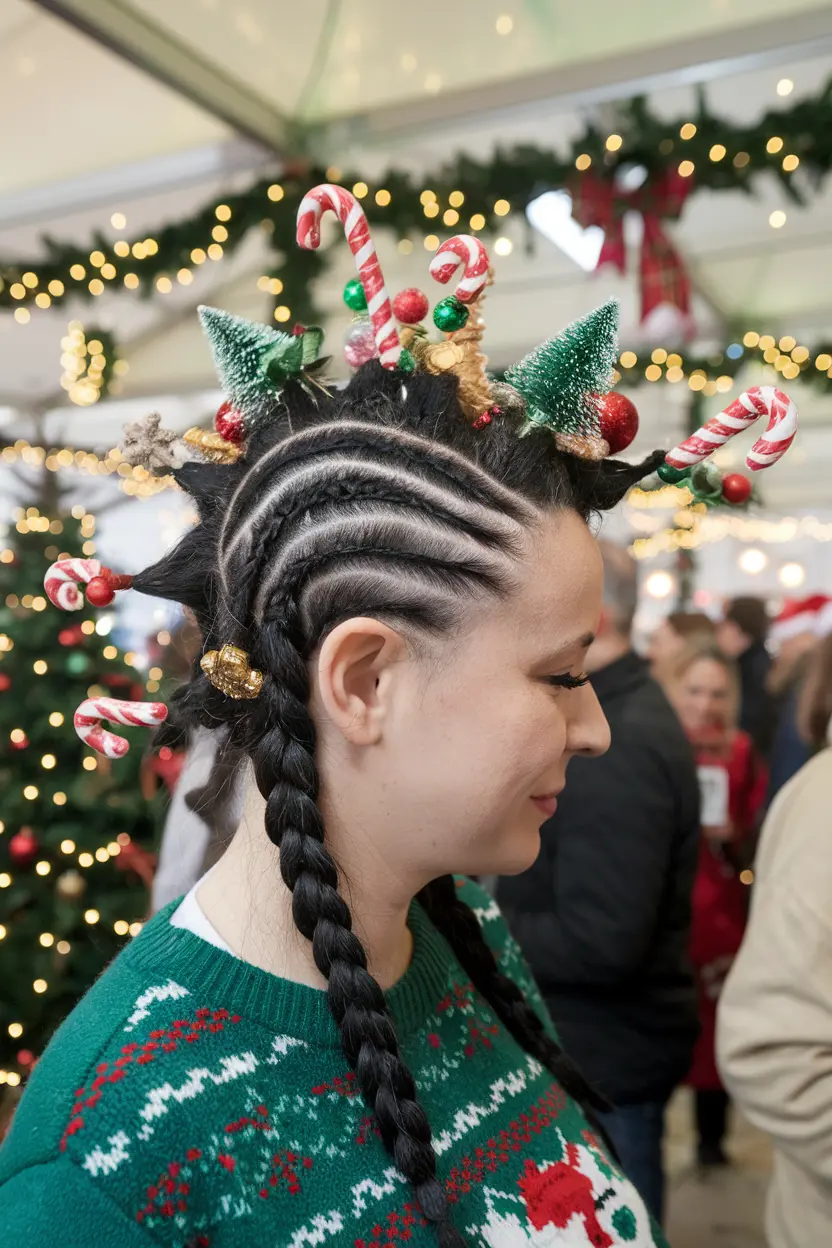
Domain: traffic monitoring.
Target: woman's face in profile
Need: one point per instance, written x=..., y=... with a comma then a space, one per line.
x=703, y=697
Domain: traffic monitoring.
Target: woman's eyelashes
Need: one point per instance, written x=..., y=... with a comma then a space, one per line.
x=567, y=681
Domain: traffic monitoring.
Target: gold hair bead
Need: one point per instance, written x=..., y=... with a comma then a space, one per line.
x=229, y=671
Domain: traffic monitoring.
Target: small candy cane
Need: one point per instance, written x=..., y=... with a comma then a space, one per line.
x=89, y=715
x=750, y=406
x=467, y=250
x=62, y=579
x=351, y=215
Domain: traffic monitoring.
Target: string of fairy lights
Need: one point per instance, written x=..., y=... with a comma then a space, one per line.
x=134, y=480
x=786, y=355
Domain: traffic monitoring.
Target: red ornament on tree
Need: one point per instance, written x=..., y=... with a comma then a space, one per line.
x=228, y=423
x=23, y=847
x=21, y=743
x=736, y=488
x=5, y=682
x=72, y=636
x=99, y=593
x=618, y=419
x=411, y=306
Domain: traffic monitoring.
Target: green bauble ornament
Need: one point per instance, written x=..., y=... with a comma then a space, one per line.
x=671, y=475
x=354, y=296
x=407, y=361
x=77, y=664
x=450, y=314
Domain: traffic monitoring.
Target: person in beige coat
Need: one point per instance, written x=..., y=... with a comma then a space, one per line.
x=774, y=1033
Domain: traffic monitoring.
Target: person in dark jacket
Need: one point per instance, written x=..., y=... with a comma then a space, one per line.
x=742, y=634
x=604, y=914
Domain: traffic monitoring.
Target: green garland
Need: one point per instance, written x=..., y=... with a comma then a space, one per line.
x=464, y=193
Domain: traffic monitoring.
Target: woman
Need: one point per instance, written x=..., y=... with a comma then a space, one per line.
x=775, y=1016
x=705, y=691
x=331, y=1041
x=675, y=632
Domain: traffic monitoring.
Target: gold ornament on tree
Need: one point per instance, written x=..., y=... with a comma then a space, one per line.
x=71, y=885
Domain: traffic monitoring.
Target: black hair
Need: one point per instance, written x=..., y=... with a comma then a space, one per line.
x=377, y=500
x=751, y=616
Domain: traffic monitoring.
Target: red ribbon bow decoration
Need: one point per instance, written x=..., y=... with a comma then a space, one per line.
x=662, y=275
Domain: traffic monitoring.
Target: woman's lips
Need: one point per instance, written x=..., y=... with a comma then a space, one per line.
x=547, y=804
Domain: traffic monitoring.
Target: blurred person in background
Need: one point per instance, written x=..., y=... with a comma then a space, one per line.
x=603, y=915
x=674, y=633
x=795, y=632
x=704, y=688
x=742, y=634
x=775, y=1017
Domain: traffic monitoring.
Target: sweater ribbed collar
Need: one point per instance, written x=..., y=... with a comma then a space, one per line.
x=167, y=952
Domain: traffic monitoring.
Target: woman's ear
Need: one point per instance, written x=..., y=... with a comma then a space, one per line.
x=356, y=674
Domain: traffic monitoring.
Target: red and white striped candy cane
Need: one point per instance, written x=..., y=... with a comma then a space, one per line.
x=62, y=578
x=356, y=227
x=750, y=406
x=469, y=251
x=90, y=713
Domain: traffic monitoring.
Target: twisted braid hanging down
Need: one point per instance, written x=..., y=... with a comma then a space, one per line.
x=284, y=765
x=383, y=503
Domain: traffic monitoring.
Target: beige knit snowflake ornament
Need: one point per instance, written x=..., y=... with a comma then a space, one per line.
x=147, y=445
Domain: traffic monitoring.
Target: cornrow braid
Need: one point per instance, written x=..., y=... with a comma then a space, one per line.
x=382, y=501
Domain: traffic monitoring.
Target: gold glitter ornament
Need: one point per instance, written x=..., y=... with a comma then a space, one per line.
x=212, y=446
x=228, y=670
x=442, y=357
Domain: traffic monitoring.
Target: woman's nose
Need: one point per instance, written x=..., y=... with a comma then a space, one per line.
x=588, y=732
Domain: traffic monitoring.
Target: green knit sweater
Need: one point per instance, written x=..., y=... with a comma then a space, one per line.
x=195, y=1101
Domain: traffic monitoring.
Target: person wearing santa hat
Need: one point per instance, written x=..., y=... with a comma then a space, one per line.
x=795, y=632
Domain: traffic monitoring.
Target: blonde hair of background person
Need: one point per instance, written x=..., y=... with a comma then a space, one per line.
x=675, y=632
x=703, y=685
x=775, y=1016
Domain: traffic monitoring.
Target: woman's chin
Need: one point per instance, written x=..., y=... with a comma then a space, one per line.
x=516, y=852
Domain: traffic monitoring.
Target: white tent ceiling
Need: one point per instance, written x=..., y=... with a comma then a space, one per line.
x=151, y=109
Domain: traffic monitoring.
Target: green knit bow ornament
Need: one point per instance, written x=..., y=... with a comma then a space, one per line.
x=254, y=362
x=563, y=377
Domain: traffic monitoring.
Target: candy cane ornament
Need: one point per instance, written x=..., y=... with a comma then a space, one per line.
x=466, y=250
x=90, y=713
x=744, y=411
x=349, y=212
x=63, y=578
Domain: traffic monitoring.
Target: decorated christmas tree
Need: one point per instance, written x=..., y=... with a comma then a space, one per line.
x=75, y=830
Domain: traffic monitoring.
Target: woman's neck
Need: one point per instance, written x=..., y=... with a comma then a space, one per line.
x=247, y=901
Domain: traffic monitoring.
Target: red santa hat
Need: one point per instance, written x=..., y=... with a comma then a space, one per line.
x=803, y=615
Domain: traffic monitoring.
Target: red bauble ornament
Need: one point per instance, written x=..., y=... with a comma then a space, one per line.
x=228, y=423
x=5, y=682
x=619, y=420
x=72, y=636
x=736, y=488
x=25, y=1057
x=23, y=847
x=411, y=306
x=99, y=593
